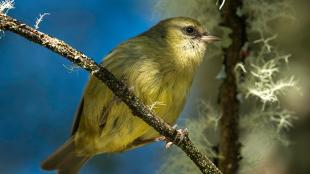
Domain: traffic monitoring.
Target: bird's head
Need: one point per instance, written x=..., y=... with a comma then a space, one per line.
x=185, y=38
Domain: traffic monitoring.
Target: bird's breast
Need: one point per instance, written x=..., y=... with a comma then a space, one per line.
x=163, y=91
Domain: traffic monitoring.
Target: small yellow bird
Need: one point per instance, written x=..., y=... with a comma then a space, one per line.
x=158, y=65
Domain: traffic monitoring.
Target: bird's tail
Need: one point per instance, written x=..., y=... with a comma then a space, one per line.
x=65, y=159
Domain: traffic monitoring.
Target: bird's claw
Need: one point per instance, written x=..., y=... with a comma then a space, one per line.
x=168, y=145
x=181, y=133
x=161, y=138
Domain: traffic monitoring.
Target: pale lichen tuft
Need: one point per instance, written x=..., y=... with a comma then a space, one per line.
x=6, y=5
x=39, y=20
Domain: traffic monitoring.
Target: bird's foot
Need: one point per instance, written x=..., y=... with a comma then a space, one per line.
x=181, y=133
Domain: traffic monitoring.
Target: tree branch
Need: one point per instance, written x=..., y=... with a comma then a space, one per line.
x=229, y=146
x=119, y=89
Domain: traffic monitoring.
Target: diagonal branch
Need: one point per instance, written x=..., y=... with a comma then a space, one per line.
x=119, y=89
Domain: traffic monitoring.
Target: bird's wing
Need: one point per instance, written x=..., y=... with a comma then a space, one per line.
x=103, y=116
x=95, y=89
x=125, y=64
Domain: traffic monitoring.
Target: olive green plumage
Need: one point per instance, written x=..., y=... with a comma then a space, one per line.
x=158, y=66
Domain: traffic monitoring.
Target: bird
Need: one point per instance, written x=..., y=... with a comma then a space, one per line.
x=158, y=66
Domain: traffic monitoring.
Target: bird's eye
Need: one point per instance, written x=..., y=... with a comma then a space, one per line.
x=189, y=30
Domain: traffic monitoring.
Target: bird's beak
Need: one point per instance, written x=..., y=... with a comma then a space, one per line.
x=209, y=39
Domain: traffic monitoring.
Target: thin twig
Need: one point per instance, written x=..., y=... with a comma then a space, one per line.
x=119, y=89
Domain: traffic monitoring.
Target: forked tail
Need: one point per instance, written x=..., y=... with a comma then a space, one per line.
x=65, y=159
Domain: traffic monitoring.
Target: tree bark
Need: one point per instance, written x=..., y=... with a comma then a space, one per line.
x=229, y=146
x=119, y=89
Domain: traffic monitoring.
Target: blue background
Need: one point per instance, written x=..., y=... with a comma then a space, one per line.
x=39, y=96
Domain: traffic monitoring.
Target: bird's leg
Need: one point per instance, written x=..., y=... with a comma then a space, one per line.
x=181, y=133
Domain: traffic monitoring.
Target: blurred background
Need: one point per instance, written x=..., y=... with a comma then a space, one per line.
x=40, y=91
